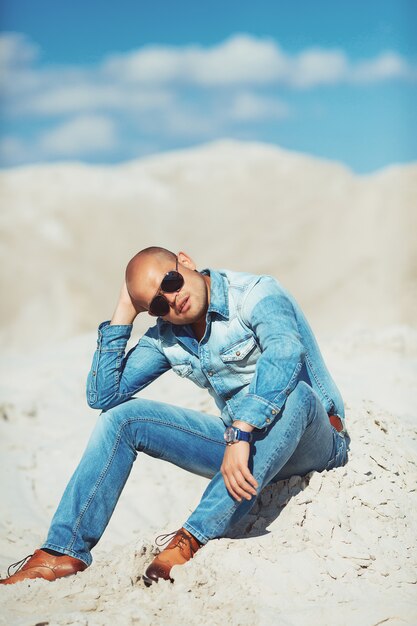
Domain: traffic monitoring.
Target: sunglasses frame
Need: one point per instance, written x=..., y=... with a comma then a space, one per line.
x=160, y=298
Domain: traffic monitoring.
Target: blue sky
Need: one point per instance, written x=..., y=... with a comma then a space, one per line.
x=106, y=82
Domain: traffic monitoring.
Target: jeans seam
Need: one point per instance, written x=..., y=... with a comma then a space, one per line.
x=195, y=532
x=316, y=378
x=109, y=462
x=271, y=459
x=170, y=425
x=95, y=489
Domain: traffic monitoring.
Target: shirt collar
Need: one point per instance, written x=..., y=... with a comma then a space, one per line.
x=219, y=293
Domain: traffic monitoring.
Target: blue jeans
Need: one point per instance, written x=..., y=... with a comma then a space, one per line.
x=299, y=441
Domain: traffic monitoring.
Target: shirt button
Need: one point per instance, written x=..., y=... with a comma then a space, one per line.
x=273, y=412
x=267, y=420
x=210, y=373
x=94, y=373
x=238, y=353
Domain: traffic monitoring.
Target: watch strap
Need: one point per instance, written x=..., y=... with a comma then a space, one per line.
x=234, y=434
x=242, y=435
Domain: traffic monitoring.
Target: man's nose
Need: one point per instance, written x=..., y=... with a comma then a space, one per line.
x=171, y=297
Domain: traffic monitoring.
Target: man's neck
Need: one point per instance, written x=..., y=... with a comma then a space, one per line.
x=199, y=327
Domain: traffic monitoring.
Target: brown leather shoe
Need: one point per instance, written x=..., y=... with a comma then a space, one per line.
x=44, y=565
x=180, y=549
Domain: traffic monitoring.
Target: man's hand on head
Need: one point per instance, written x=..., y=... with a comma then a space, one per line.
x=127, y=301
x=126, y=310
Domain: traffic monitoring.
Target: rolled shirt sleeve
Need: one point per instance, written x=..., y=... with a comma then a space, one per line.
x=269, y=313
x=115, y=377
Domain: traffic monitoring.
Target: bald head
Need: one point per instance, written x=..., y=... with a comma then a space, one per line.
x=153, y=253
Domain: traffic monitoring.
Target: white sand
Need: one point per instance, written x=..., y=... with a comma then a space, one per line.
x=333, y=548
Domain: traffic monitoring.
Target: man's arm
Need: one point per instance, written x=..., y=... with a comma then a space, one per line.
x=115, y=377
x=269, y=313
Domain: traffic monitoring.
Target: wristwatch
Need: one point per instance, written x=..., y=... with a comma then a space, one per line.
x=233, y=434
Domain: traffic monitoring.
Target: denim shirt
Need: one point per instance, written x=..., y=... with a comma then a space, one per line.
x=256, y=347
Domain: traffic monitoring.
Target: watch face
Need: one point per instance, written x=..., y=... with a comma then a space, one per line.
x=229, y=434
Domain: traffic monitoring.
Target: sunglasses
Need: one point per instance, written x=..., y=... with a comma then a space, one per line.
x=171, y=282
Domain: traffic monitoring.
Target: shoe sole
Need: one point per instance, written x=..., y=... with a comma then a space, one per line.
x=148, y=581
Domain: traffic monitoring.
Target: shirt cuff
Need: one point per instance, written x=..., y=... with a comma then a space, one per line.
x=113, y=337
x=259, y=412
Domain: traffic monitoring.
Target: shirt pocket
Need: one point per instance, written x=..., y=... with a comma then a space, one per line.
x=182, y=369
x=186, y=370
x=241, y=356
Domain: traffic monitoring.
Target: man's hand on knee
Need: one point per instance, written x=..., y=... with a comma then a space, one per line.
x=238, y=479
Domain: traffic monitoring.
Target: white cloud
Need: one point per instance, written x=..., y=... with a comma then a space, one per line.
x=165, y=91
x=17, y=55
x=86, y=134
x=73, y=98
x=247, y=106
x=215, y=116
x=247, y=60
x=150, y=77
x=153, y=64
x=384, y=67
x=80, y=136
x=317, y=67
x=240, y=59
x=16, y=50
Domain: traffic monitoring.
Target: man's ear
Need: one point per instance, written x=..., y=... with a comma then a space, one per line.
x=184, y=259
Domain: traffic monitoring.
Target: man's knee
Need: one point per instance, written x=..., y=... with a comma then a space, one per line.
x=302, y=394
x=135, y=407
x=122, y=417
x=304, y=400
x=116, y=421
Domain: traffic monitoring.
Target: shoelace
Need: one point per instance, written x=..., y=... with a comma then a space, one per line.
x=183, y=539
x=161, y=540
x=18, y=565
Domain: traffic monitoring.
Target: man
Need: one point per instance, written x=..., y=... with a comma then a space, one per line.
x=244, y=339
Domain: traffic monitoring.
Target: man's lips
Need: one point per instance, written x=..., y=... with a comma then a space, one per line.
x=182, y=305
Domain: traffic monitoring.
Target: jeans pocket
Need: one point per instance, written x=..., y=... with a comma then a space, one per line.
x=339, y=455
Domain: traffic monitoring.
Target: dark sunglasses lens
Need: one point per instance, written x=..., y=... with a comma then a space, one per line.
x=173, y=281
x=159, y=306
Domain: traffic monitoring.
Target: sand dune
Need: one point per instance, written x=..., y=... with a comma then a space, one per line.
x=327, y=549
x=343, y=244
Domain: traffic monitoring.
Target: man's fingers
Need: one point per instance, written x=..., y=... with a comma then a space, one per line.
x=240, y=485
x=244, y=484
x=230, y=489
x=232, y=486
x=235, y=486
x=250, y=479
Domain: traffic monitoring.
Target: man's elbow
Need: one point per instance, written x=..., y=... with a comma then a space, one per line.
x=94, y=401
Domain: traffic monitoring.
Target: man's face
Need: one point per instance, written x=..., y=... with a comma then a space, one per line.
x=188, y=305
